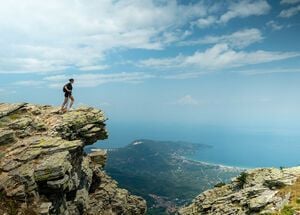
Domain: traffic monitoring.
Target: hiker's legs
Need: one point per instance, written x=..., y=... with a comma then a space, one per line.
x=72, y=101
x=64, y=103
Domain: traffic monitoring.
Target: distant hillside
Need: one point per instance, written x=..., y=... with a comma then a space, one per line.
x=158, y=171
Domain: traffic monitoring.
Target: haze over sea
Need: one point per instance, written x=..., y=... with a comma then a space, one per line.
x=231, y=146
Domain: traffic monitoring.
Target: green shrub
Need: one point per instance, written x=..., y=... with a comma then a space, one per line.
x=14, y=116
x=220, y=184
x=273, y=185
x=287, y=210
x=242, y=179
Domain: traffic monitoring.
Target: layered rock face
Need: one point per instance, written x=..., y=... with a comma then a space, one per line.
x=43, y=167
x=258, y=191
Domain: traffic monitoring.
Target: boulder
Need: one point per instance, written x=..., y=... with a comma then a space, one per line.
x=53, y=167
x=99, y=157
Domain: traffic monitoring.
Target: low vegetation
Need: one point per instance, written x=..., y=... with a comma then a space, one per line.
x=294, y=204
x=220, y=184
x=287, y=210
x=274, y=185
x=1, y=155
x=160, y=168
x=242, y=179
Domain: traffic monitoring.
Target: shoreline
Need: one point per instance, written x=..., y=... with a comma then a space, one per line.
x=224, y=166
x=216, y=164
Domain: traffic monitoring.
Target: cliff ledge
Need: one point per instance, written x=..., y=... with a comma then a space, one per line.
x=44, y=169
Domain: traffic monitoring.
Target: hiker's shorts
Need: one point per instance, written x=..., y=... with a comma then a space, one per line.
x=68, y=94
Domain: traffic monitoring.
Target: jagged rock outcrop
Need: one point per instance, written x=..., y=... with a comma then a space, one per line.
x=257, y=191
x=44, y=169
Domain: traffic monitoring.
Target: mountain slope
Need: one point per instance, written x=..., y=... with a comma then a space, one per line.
x=159, y=172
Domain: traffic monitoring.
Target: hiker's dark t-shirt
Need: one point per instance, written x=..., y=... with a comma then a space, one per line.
x=69, y=87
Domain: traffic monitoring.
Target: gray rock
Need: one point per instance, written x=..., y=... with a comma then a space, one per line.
x=53, y=167
x=45, y=208
x=61, y=184
x=99, y=157
x=7, y=136
x=259, y=194
x=46, y=167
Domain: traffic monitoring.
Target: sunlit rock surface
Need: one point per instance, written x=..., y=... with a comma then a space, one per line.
x=257, y=191
x=44, y=169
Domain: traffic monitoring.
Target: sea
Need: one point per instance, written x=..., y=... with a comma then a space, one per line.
x=230, y=146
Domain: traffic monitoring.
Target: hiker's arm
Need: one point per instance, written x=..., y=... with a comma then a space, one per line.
x=67, y=89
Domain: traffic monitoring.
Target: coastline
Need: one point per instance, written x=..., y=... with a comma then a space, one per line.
x=223, y=166
x=188, y=159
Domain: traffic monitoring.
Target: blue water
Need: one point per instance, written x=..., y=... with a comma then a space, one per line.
x=230, y=146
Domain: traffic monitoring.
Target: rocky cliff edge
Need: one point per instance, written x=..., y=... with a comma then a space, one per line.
x=44, y=169
x=257, y=191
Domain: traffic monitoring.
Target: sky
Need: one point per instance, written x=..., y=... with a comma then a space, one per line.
x=227, y=63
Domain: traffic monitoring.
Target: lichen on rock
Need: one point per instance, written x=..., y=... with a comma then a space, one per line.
x=44, y=169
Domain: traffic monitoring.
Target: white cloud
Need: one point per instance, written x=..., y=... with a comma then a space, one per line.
x=61, y=34
x=238, y=39
x=205, y=22
x=30, y=83
x=290, y=12
x=93, y=80
x=289, y=1
x=220, y=56
x=244, y=9
x=94, y=68
x=274, y=25
x=187, y=100
x=233, y=9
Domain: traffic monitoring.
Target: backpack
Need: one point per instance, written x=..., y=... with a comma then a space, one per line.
x=64, y=90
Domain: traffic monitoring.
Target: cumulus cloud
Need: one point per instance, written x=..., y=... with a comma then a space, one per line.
x=238, y=39
x=30, y=83
x=290, y=12
x=220, y=56
x=205, y=22
x=233, y=9
x=92, y=79
x=244, y=9
x=94, y=68
x=61, y=34
x=274, y=25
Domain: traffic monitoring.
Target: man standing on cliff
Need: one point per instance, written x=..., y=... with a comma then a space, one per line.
x=68, y=95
